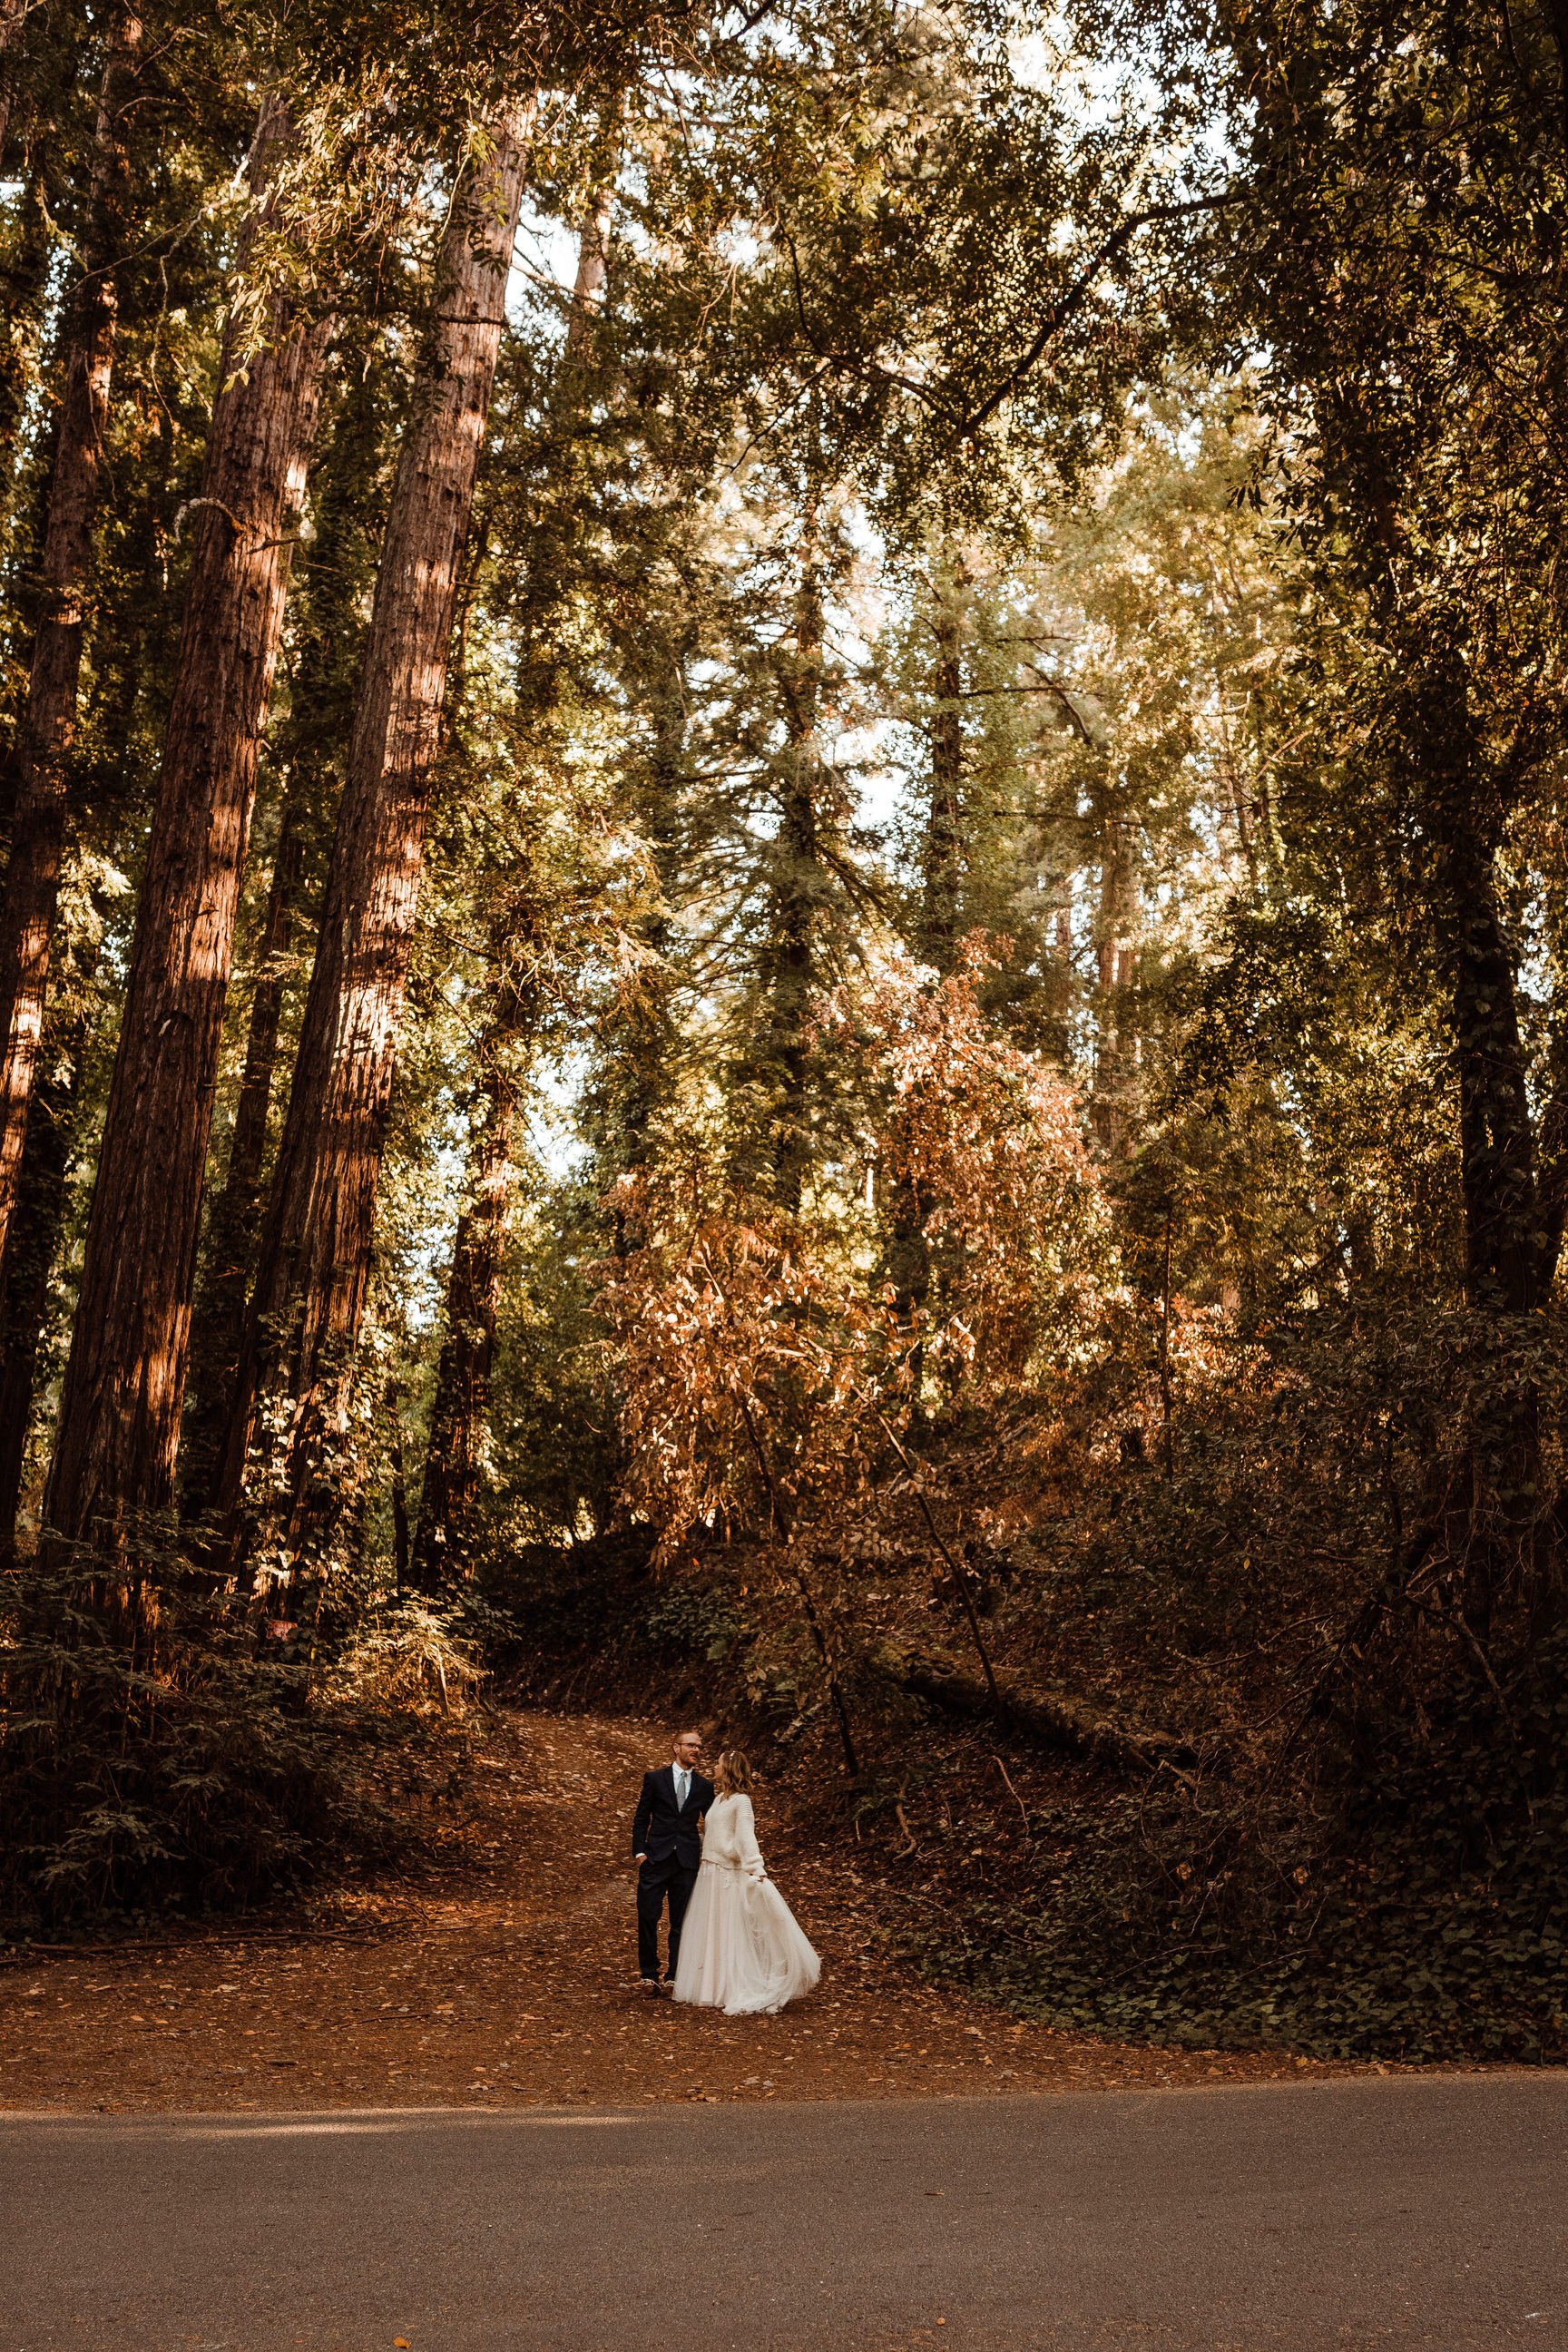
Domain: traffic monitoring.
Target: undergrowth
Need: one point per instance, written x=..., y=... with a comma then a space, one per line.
x=1412, y=1904
x=166, y=1749
x=1397, y=1885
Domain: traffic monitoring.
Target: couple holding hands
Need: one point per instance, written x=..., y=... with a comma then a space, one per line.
x=734, y=1941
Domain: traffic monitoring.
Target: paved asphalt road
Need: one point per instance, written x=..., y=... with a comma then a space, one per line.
x=1358, y=2214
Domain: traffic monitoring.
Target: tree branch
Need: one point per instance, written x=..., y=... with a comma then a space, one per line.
x=1063, y=309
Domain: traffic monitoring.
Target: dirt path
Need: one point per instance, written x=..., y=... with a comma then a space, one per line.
x=516, y=1985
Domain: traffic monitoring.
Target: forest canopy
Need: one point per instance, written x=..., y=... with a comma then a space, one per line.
x=783, y=795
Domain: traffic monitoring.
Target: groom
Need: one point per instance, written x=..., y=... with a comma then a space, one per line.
x=667, y=1843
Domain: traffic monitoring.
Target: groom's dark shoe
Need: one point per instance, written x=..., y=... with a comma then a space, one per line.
x=648, y=1984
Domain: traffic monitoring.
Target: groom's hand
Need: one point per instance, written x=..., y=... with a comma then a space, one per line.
x=639, y=1857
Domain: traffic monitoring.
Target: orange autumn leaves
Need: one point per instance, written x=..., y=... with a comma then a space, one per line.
x=768, y=1360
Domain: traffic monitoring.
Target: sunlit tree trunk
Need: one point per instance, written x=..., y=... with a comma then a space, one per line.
x=315, y=1261
x=444, y=1536
x=119, y=1426
x=308, y=746
x=219, y=1314
x=48, y=724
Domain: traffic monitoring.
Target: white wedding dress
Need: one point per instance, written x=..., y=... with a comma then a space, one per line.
x=740, y=1950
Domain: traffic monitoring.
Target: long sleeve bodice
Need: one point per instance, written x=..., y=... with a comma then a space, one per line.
x=741, y=1950
x=730, y=1836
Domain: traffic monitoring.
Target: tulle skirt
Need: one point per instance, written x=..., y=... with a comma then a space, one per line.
x=740, y=1948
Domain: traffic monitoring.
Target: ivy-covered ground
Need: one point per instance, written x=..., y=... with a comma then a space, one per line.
x=1384, y=1880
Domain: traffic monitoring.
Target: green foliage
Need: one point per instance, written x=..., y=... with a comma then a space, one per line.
x=178, y=1752
x=1417, y=1909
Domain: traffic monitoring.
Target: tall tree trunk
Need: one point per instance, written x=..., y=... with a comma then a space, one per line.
x=310, y=746
x=400, y=1551
x=444, y=1545
x=1497, y=1148
x=305, y=1313
x=798, y=890
x=587, y=291
x=443, y=1540
x=1114, y=971
x=49, y=725
x=31, y=1247
x=941, y=861
x=1505, y=1542
x=649, y=1037
x=218, y=1316
x=1506, y=1545
x=942, y=882
x=116, y=1448
x=22, y=332
x=550, y=569
x=1552, y=1159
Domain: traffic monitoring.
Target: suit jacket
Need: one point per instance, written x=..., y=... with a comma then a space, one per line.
x=660, y=1828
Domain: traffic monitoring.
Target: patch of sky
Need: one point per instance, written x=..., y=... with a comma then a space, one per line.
x=554, y=1135
x=543, y=269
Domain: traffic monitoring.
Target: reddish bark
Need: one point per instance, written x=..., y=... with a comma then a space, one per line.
x=315, y=1264
x=119, y=1411
x=444, y=1537
x=218, y=1316
x=49, y=725
x=309, y=748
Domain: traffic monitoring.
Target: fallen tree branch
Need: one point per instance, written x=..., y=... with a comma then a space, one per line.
x=1058, y=1719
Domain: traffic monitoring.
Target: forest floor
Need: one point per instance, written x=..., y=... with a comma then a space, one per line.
x=508, y=1977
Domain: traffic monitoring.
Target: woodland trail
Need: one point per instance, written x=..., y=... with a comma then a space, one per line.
x=509, y=1981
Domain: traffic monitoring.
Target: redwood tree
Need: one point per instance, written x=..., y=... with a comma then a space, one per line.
x=119, y=1411
x=315, y=1257
x=347, y=505
x=49, y=725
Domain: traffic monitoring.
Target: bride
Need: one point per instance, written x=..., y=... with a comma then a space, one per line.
x=740, y=1950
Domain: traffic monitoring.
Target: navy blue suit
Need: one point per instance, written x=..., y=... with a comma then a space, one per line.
x=667, y=1835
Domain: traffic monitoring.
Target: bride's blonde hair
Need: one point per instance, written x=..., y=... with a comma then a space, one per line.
x=737, y=1772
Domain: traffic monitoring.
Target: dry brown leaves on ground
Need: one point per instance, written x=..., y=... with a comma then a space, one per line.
x=511, y=1980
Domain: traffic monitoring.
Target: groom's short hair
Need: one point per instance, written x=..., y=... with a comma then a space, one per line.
x=677, y=1737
